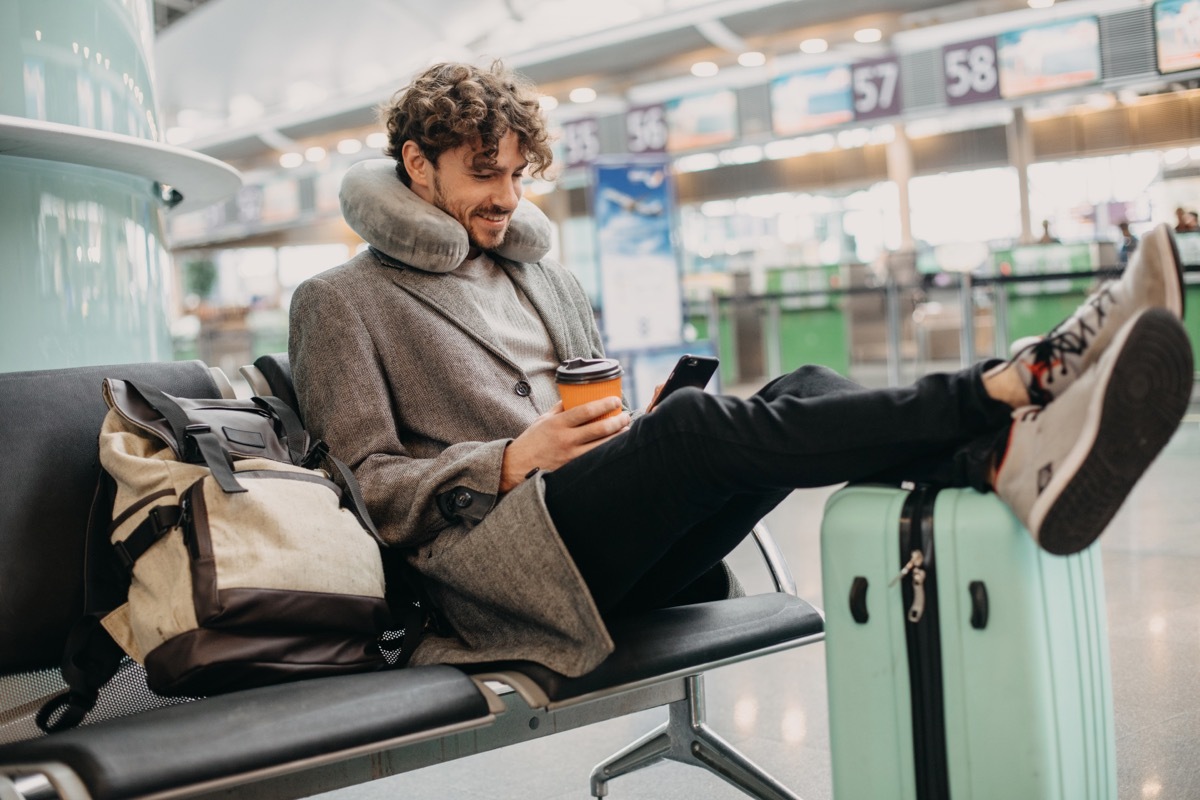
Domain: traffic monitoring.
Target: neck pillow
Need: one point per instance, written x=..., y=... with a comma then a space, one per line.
x=391, y=218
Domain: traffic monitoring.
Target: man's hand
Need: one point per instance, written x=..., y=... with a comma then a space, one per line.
x=558, y=436
x=654, y=400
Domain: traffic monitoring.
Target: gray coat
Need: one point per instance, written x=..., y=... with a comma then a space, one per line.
x=392, y=368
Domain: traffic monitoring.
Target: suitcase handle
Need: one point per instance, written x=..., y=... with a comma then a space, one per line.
x=858, y=600
x=979, y=604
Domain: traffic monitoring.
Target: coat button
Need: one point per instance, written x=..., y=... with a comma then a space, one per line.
x=522, y=389
x=463, y=498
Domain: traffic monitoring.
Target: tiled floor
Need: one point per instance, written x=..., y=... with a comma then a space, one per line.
x=774, y=708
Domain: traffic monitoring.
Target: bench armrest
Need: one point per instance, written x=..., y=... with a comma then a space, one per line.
x=776, y=563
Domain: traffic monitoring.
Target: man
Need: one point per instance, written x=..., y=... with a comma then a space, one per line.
x=1129, y=243
x=1047, y=237
x=427, y=364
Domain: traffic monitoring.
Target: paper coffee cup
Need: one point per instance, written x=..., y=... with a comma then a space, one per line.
x=582, y=380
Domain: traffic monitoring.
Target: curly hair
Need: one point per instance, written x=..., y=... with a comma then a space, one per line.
x=449, y=105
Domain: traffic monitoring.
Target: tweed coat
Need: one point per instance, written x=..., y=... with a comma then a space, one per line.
x=399, y=374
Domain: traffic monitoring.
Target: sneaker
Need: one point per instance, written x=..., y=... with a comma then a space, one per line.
x=1070, y=465
x=1153, y=279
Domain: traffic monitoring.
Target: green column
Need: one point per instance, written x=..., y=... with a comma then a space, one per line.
x=86, y=276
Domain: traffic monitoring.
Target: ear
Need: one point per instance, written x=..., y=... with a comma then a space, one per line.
x=417, y=165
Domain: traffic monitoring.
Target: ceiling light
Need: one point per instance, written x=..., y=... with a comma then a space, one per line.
x=583, y=94
x=290, y=160
x=868, y=35
x=314, y=153
x=547, y=102
x=814, y=46
x=377, y=140
x=37, y=35
x=349, y=147
x=752, y=58
x=705, y=69
x=1040, y=3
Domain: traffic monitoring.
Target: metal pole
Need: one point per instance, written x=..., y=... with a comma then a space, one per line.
x=967, y=342
x=1000, y=304
x=773, y=341
x=893, y=332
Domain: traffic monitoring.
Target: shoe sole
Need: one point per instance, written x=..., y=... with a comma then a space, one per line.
x=1134, y=412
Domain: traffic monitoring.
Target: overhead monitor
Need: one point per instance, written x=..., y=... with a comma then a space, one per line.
x=1045, y=58
x=1177, y=33
x=702, y=120
x=811, y=100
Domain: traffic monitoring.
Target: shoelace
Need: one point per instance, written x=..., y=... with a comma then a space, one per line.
x=1051, y=352
x=1031, y=413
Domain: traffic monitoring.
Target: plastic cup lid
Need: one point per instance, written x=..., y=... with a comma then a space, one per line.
x=588, y=370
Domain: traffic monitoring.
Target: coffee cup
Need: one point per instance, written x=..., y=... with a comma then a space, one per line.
x=582, y=380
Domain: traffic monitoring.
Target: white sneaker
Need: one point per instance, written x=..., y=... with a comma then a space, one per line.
x=1049, y=365
x=1070, y=465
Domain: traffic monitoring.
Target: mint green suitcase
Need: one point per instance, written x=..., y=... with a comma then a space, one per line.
x=981, y=673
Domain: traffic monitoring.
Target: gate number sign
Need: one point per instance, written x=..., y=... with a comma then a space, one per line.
x=876, y=88
x=972, y=71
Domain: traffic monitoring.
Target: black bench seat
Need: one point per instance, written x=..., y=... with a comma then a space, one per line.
x=233, y=738
x=657, y=645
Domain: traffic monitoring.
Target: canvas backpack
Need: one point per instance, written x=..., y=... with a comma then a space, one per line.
x=220, y=557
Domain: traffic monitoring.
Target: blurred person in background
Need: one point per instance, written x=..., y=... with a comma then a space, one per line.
x=1186, y=221
x=1128, y=244
x=1047, y=236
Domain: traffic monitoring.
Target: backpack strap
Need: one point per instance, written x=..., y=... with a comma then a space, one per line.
x=157, y=524
x=90, y=660
x=196, y=440
x=91, y=657
x=293, y=430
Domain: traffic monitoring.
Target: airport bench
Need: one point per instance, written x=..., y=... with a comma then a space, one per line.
x=299, y=739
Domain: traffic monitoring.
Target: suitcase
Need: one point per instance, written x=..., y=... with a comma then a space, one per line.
x=981, y=672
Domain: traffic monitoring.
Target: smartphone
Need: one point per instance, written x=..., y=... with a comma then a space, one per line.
x=690, y=370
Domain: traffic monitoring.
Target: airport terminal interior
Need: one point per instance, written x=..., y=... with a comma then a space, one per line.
x=888, y=189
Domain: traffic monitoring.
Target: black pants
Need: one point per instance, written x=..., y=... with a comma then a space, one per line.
x=650, y=511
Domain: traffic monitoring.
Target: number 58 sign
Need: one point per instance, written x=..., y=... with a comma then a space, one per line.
x=972, y=71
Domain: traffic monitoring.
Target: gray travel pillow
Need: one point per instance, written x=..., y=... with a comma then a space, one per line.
x=390, y=217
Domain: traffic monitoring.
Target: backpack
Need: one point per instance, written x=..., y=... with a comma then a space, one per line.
x=220, y=557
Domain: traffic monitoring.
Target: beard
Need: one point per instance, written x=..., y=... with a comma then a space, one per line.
x=481, y=239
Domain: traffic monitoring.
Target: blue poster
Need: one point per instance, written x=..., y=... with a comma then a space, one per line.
x=639, y=271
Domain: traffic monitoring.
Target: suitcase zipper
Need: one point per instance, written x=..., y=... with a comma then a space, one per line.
x=919, y=594
x=915, y=567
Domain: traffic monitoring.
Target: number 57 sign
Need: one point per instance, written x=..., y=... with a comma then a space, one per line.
x=876, y=88
x=972, y=72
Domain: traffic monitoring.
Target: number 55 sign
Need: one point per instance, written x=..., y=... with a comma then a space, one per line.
x=972, y=73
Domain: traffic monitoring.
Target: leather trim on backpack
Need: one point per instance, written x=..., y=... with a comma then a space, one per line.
x=248, y=609
x=204, y=662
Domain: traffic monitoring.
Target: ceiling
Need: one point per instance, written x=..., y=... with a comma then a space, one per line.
x=242, y=76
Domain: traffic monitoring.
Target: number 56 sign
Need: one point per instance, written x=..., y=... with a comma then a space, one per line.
x=972, y=71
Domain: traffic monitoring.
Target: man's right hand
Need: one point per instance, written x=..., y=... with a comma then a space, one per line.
x=558, y=436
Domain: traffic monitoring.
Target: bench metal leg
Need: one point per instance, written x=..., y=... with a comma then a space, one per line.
x=685, y=738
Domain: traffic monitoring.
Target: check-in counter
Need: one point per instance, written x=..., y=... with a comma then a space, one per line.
x=810, y=324
x=1189, y=253
x=1034, y=307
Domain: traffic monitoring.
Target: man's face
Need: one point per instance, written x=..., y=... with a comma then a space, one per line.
x=481, y=194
